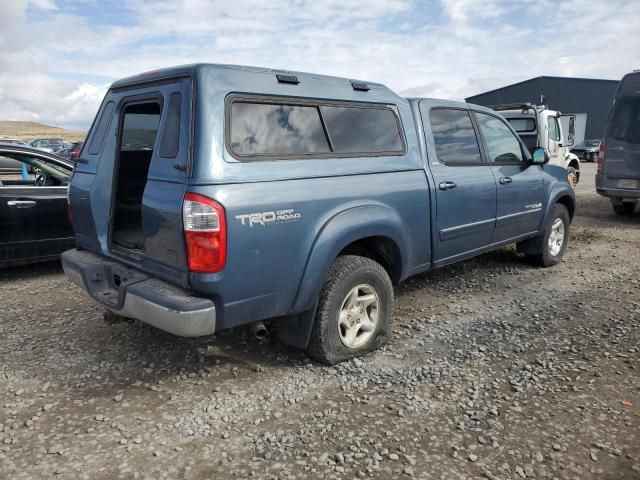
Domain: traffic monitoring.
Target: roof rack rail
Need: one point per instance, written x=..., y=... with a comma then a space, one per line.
x=512, y=106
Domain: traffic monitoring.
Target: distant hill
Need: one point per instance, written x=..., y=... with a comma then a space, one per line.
x=31, y=130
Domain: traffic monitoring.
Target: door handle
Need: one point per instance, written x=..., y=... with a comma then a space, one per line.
x=505, y=180
x=21, y=203
x=447, y=185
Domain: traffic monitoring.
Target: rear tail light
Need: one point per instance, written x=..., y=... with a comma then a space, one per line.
x=601, y=156
x=205, y=233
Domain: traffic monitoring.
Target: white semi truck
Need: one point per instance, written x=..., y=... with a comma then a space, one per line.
x=540, y=127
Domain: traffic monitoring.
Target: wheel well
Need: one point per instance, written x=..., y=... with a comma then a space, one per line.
x=569, y=204
x=380, y=249
x=575, y=164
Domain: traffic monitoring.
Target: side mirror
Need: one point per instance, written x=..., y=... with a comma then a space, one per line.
x=539, y=156
x=572, y=130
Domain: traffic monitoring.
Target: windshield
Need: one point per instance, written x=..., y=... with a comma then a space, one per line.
x=523, y=125
x=625, y=124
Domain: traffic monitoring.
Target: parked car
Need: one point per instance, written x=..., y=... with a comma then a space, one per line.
x=13, y=141
x=618, y=175
x=74, y=150
x=9, y=164
x=49, y=145
x=34, y=225
x=197, y=208
x=587, y=150
x=64, y=153
x=538, y=126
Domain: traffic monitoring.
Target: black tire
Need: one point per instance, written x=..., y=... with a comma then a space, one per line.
x=538, y=249
x=573, y=176
x=346, y=273
x=624, y=208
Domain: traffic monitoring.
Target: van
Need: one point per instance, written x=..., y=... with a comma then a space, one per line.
x=618, y=176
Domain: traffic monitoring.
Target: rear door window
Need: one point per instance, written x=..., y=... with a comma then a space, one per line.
x=140, y=127
x=454, y=136
x=625, y=124
x=101, y=129
x=170, y=142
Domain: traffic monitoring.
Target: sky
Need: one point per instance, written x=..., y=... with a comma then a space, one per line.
x=58, y=57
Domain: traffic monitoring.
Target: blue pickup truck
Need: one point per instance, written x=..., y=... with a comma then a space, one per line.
x=212, y=196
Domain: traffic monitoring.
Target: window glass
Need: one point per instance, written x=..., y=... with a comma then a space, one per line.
x=140, y=127
x=502, y=144
x=101, y=129
x=454, y=136
x=554, y=130
x=17, y=170
x=362, y=130
x=523, y=124
x=625, y=125
x=265, y=129
x=170, y=142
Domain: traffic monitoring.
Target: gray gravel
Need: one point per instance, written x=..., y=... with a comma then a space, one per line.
x=496, y=370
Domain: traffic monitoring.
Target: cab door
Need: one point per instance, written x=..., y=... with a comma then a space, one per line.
x=520, y=190
x=554, y=140
x=465, y=188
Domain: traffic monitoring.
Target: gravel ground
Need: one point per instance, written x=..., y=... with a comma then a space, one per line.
x=496, y=370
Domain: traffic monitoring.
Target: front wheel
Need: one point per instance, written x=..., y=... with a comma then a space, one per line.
x=548, y=249
x=354, y=310
x=572, y=176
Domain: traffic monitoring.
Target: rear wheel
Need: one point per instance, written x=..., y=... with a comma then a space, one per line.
x=623, y=208
x=354, y=310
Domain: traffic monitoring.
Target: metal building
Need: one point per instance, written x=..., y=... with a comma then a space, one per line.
x=587, y=98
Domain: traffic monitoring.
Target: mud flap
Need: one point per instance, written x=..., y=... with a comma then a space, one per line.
x=295, y=330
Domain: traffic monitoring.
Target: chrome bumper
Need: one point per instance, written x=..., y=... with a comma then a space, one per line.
x=133, y=294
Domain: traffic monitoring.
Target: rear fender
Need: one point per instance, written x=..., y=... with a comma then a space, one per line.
x=338, y=232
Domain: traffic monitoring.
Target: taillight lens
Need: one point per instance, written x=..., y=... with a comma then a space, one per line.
x=205, y=233
x=601, y=155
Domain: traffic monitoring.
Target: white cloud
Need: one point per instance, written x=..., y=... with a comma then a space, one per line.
x=54, y=63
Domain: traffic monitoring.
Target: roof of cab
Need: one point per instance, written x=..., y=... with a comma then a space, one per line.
x=437, y=102
x=240, y=70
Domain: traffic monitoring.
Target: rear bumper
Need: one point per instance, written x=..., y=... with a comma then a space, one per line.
x=603, y=189
x=618, y=193
x=130, y=293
